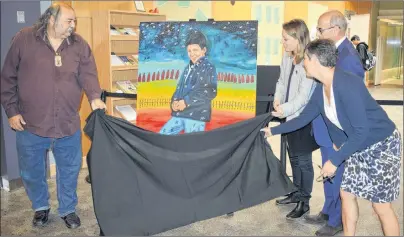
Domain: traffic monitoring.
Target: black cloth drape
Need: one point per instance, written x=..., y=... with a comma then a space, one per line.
x=144, y=183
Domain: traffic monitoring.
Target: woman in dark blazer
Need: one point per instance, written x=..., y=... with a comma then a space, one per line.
x=365, y=138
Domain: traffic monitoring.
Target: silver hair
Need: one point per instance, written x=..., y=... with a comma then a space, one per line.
x=55, y=11
x=338, y=19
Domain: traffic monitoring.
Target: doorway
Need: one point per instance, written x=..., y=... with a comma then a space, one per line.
x=389, y=52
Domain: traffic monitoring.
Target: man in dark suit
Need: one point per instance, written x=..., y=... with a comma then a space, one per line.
x=333, y=25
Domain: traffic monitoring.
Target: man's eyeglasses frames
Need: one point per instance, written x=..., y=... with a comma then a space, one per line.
x=321, y=30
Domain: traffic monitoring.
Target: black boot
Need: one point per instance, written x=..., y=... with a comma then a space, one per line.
x=40, y=218
x=290, y=198
x=300, y=209
x=72, y=221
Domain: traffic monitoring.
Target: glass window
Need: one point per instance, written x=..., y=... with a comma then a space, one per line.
x=276, y=15
x=183, y=3
x=269, y=14
x=258, y=12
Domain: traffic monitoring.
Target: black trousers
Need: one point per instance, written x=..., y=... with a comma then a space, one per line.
x=303, y=176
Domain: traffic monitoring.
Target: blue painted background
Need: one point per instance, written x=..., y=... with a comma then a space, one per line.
x=232, y=45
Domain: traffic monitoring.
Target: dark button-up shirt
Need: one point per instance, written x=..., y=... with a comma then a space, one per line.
x=197, y=87
x=48, y=97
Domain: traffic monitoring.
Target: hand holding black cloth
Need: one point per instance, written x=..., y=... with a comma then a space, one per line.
x=144, y=183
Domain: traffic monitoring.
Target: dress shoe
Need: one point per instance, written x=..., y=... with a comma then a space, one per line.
x=40, y=218
x=288, y=200
x=300, y=209
x=320, y=218
x=88, y=179
x=327, y=230
x=72, y=221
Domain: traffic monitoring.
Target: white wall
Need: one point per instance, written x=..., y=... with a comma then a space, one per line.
x=315, y=11
x=359, y=25
x=270, y=15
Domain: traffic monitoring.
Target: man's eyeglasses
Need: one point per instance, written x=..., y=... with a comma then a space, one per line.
x=321, y=30
x=324, y=179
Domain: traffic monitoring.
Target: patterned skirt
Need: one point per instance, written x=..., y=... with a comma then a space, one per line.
x=374, y=173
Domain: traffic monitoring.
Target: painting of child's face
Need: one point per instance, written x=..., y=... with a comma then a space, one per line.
x=195, y=52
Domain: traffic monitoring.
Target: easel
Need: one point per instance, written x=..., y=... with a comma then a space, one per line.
x=194, y=20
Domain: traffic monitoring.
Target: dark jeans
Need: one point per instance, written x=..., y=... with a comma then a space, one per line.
x=32, y=150
x=303, y=176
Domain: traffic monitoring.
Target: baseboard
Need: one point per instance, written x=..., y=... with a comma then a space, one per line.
x=52, y=167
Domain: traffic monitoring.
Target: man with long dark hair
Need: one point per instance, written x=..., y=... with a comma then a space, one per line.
x=44, y=73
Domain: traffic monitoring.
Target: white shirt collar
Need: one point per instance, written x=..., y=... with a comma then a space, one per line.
x=339, y=42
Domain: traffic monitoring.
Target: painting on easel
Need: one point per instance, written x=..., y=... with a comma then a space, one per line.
x=196, y=76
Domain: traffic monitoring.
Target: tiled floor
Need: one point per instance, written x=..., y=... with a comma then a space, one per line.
x=265, y=219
